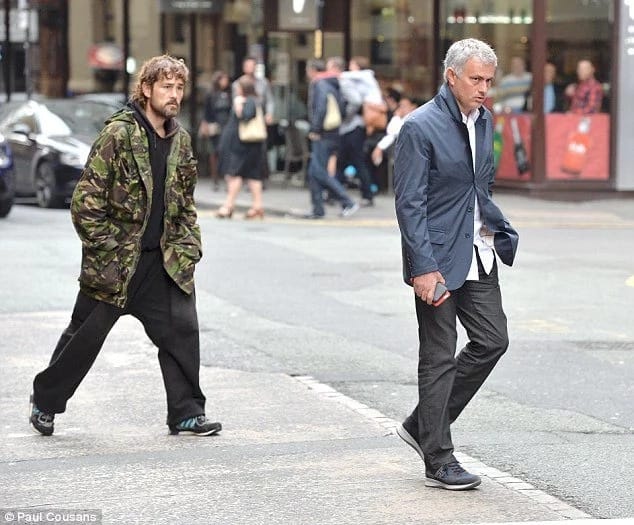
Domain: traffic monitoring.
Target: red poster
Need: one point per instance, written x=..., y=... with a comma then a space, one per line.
x=577, y=146
x=512, y=146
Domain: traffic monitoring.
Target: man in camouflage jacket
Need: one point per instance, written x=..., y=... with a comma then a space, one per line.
x=110, y=214
x=134, y=212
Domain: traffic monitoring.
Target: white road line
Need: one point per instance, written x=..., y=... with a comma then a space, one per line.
x=554, y=504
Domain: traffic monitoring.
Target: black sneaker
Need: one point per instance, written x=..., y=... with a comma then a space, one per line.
x=451, y=476
x=41, y=422
x=198, y=426
x=408, y=436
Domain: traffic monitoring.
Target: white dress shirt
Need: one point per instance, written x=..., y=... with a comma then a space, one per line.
x=482, y=237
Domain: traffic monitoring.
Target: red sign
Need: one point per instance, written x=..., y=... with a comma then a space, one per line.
x=105, y=56
x=578, y=146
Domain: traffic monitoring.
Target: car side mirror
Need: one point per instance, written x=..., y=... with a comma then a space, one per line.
x=21, y=129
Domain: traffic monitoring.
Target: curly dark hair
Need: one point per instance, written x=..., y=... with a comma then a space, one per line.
x=155, y=69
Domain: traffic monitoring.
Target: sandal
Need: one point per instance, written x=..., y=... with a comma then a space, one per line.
x=224, y=212
x=254, y=213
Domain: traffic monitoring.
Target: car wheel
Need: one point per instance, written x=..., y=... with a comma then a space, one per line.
x=5, y=206
x=45, y=191
x=8, y=192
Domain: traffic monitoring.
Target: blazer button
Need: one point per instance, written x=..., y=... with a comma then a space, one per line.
x=467, y=235
x=470, y=209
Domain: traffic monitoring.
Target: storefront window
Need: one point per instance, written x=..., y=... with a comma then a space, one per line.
x=506, y=26
x=396, y=36
x=579, y=54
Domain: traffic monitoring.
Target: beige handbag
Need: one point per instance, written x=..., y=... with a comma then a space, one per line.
x=332, y=120
x=253, y=130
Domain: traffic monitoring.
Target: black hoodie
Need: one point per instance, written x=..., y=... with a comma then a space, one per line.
x=159, y=151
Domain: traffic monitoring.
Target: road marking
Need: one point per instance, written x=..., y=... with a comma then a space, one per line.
x=561, y=223
x=609, y=521
x=554, y=504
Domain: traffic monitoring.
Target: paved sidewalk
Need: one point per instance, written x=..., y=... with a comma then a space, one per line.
x=523, y=210
x=292, y=451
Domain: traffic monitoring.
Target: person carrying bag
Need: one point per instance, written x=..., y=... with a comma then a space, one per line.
x=253, y=130
x=241, y=150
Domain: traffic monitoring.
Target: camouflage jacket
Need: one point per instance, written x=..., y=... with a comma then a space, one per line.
x=111, y=206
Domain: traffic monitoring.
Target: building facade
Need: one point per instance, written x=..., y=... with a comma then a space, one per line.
x=540, y=143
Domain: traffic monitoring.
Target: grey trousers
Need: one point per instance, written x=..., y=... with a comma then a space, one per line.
x=446, y=382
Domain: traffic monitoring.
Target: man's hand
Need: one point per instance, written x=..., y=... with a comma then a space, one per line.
x=377, y=156
x=314, y=136
x=425, y=284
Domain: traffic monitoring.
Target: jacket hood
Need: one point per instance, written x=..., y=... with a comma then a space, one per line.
x=133, y=112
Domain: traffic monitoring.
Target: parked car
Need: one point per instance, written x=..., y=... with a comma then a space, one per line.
x=7, y=183
x=50, y=141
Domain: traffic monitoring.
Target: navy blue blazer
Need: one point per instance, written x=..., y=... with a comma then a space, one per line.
x=435, y=188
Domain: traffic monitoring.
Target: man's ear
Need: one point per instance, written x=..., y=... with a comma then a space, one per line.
x=451, y=77
x=147, y=89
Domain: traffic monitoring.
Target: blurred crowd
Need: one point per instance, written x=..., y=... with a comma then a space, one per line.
x=349, y=154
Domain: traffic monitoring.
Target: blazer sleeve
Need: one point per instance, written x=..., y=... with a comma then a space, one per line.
x=411, y=181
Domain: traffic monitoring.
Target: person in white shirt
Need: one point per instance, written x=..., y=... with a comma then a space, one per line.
x=405, y=106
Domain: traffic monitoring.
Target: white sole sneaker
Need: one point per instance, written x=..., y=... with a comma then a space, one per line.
x=430, y=482
x=409, y=439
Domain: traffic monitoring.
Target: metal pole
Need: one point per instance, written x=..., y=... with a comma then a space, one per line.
x=192, y=70
x=126, y=47
x=318, y=52
x=24, y=18
x=538, y=59
x=6, y=58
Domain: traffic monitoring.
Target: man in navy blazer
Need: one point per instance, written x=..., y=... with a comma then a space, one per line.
x=452, y=233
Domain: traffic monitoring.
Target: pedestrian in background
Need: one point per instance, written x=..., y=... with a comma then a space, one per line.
x=263, y=91
x=406, y=105
x=241, y=160
x=133, y=210
x=451, y=233
x=264, y=96
x=215, y=116
x=325, y=143
x=512, y=89
x=586, y=95
x=358, y=87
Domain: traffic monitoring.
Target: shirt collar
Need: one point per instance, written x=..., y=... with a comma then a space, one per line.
x=473, y=116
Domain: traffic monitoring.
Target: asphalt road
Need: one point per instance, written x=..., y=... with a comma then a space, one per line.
x=327, y=300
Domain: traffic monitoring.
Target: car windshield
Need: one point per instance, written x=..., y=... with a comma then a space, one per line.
x=70, y=117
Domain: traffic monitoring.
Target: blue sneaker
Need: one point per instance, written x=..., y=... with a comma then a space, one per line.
x=198, y=426
x=40, y=421
x=451, y=476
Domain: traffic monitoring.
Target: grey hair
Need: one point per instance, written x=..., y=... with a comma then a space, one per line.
x=460, y=52
x=336, y=62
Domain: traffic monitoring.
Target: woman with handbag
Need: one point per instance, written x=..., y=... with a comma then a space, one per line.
x=216, y=114
x=241, y=150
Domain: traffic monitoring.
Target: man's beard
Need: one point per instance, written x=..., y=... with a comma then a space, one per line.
x=167, y=111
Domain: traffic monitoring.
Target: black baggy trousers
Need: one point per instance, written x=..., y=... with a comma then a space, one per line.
x=447, y=383
x=170, y=321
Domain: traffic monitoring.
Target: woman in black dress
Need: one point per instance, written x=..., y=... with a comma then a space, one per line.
x=241, y=160
x=215, y=117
